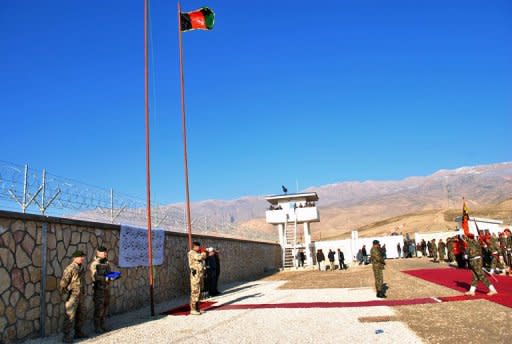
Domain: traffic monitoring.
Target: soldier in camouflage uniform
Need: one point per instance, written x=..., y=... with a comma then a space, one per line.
x=378, y=265
x=508, y=247
x=494, y=249
x=99, y=269
x=72, y=286
x=449, y=246
x=474, y=251
x=434, y=250
x=441, y=247
x=196, y=258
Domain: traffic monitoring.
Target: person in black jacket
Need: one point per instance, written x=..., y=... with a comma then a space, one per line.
x=217, y=261
x=341, y=259
x=211, y=272
x=320, y=258
x=330, y=255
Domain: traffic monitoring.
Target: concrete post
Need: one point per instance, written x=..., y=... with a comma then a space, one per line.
x=307, y=243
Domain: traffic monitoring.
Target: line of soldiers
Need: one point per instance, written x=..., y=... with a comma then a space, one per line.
x=496, y=251
x=73, y=287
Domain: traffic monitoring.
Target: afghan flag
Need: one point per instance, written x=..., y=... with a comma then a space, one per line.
x=201, y=19
x=465, y=218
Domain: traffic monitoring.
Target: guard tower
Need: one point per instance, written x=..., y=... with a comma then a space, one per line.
x=287, y=212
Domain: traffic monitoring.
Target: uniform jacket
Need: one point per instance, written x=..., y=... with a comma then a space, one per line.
x=73, y=279
x=99, y=268
x=195, y=262
x=376, y=257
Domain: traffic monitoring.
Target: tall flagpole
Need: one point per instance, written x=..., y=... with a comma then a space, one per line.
x=184, y=127
x=148, y=176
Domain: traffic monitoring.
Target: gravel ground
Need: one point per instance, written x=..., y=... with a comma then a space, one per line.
x=276, y=325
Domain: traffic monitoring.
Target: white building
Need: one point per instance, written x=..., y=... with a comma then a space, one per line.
x=287, y=212
x=493, y=226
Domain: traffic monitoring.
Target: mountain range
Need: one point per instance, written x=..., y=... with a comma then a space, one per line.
x=411, y=204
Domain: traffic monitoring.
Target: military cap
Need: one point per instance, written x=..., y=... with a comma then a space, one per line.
x=375, y=242
x=102, y=249
x=78, y=253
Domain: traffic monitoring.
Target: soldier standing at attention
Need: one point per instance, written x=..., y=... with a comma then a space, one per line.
x=494, y=247
x=99, y=268
x=72, y=285
x=475, y=263
x=378, y=265
x=195, y=263
x=434, y=251
x=441, y=246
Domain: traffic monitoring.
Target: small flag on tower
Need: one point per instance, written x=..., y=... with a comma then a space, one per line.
x=200, y=19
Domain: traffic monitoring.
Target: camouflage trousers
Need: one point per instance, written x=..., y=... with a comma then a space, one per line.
x=434, y=254
x=496, y=262
x=75, y=313
x=478, y=274
x=195, y=287
x=379, y=278
x=101, y=299
x=451, y=256
x=441, y=255
x=507, y=256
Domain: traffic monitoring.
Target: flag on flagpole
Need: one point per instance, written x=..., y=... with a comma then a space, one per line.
x=200, y=19
x=465, y=218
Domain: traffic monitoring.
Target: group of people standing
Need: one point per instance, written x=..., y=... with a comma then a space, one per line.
x=73, y=287
x=204, y=265
x=331, y=256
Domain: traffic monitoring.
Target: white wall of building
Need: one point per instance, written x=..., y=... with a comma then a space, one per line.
x=350, y=247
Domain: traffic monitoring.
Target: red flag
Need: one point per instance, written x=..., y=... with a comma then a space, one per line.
x=465, y=218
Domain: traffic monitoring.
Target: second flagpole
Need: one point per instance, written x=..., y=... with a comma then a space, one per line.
x=184, y=129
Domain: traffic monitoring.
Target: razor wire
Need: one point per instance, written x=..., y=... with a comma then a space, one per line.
x=39, y=192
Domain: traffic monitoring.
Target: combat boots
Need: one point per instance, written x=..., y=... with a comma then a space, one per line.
x=492, y=291
x=471, y=291
x=198, y=308
x=193, y=309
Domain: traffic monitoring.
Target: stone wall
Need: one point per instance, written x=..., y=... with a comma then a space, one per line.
x=21, y=257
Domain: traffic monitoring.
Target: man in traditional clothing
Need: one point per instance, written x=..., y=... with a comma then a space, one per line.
x=474, y=251
x=196, y=257
x=378, y=266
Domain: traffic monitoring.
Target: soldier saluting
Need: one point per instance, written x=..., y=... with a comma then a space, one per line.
x=72, y=285
x=99, y=269
x=196, y=257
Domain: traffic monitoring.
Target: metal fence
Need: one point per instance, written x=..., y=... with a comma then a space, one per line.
x=39, y=192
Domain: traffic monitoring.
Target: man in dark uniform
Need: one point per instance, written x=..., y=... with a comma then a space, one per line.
x=378, y=266
x=99, y=269
x=72, y=285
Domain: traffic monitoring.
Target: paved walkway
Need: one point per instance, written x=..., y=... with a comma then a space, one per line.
x=230, y=322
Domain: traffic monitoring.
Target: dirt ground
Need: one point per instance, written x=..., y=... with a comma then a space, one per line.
x=477, y=321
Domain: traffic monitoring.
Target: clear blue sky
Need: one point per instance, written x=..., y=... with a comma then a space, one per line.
x=279, y=91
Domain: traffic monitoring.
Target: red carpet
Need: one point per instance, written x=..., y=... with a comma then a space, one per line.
x=185, y=309
x=460, y=280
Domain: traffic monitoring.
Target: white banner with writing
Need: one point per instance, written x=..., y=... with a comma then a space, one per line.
x=133, y=246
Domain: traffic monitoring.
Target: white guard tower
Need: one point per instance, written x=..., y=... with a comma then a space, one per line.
x=287, y=211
